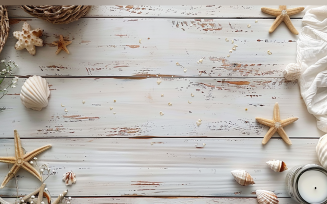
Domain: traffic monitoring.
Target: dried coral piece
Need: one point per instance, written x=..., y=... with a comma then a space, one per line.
x=266, y=197
x=242, y=177
x=292, y=72
x=35, y=93
x=21, y=160
x=62, y=45
x=282, y=14
x=4, y=26
x=276, y=125
x=69, y=178
x=28, y=39
x=277, y=166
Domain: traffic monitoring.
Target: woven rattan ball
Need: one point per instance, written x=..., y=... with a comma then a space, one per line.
x=57, y=14
x=4, y=26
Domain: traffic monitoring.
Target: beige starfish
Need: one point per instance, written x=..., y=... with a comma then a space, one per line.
x=282, y=14
x=21, y=160
x=276, y=125
x=62, y=45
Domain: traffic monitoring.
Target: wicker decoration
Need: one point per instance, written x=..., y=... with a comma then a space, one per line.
x=57, y=14
x=4, y=26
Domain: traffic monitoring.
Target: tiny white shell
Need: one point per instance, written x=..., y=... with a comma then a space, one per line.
x=266, y=197
x=69, y=178
x=242, y=177
x=277, y=166
x=321, y=150
x=35, y=93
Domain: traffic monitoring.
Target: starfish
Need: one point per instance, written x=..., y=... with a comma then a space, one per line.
x=282, y=14
x=276, y=125
x=62, y=44
x=21, y=160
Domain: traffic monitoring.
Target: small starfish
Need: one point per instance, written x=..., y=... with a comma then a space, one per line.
x=282, y=14
x=62, y=45
x=21, y=160
x=276, y=125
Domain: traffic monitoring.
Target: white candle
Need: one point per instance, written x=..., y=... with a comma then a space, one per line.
x=312, y=186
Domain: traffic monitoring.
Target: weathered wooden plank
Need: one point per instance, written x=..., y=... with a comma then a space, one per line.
x=184, y=11
x=141, y=47
x=159, y=166
x=170, y=200
x=227, y=108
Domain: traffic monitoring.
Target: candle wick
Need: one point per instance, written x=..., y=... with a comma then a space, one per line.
x=315, y=187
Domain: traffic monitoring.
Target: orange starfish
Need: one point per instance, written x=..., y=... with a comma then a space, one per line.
x=21, y=160
x=282, y=14
x=276, y=125
x=62, y=45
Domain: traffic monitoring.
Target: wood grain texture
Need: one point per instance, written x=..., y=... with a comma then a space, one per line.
x=147, y=47
x=170, y=200
x=227, y=108
x=159, y=166
x=163, y=11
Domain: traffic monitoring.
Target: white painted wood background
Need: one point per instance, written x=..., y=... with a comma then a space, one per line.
x=130, y=151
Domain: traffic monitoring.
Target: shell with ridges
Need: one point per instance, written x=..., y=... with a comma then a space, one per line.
x=321, y=150
x=242, y=177
x=35, y=93
x=266, y=197
x=277, y=166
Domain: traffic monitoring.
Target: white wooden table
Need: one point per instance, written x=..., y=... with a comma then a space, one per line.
x=132, y=154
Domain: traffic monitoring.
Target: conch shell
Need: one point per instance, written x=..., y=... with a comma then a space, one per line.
x=321, y=150
x=277, y=166
x=266, y=197
x=69, y=178
x=35, y=93
x=242, y=177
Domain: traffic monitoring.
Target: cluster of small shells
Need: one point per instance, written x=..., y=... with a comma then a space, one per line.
x=69, y=178
x=264, y=197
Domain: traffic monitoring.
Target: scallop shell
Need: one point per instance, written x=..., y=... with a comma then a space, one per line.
x=242, y=177
x=277, y=166
x=321, y=150
x=35, y=93
x=266, y=197
x=69, y=178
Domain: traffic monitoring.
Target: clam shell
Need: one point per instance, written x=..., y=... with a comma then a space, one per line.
x=277, y=166
x=266, y=197
x=35, y=93
x=321, y=150
x=69, y=178
x=242, y=177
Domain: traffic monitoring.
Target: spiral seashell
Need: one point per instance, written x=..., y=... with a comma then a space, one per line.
x=277, y=166
x=35, y=93
x=292, y=71
x=69, y=178
x=321, y=150
x=242, y=177
x=266, y=197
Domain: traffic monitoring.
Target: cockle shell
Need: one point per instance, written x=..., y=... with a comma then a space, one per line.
x=35, y=93
x=321, y=150
x=69, y=178
x=266, y=197
x=242, y=177
x=277, y=166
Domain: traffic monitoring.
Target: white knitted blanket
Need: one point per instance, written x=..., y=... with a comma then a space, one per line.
x=312, y=57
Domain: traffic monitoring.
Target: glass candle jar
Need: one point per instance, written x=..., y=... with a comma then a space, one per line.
x=307, y=184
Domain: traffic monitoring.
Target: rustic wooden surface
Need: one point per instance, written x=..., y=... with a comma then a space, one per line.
x=120, y=53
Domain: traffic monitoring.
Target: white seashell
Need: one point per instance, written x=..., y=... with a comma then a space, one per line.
x=35, y=93
x=292, y=71
x=277, y=166
x=242, y=177
x=266, y=197
x=69, y=178
x=321, y=150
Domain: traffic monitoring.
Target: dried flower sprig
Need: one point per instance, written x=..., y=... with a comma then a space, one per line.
x=6, y=69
